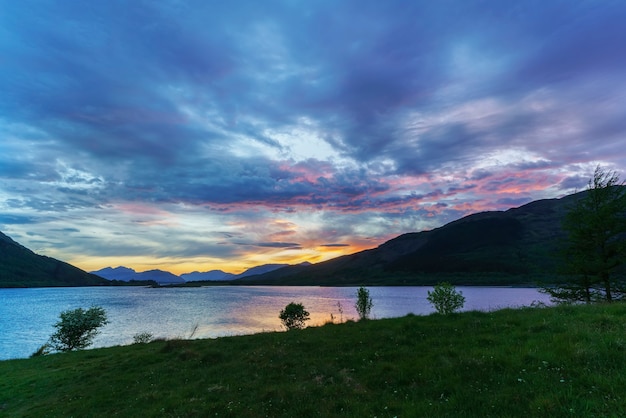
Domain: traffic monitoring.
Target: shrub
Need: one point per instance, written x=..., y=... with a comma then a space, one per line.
x=294, y=316
x=77, y=328
x=42, y=351
x=142, y=338
x=363, y=303
x=445, y=298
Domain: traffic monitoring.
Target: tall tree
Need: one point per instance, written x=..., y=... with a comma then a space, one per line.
x=596, y=247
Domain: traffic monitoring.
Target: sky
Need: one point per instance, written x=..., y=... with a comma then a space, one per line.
x=199, y=135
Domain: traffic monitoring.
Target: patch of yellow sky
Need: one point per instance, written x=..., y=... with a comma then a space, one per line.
x=255, y=256
x=197, y=224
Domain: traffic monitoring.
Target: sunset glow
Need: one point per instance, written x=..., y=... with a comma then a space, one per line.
x=193, y=136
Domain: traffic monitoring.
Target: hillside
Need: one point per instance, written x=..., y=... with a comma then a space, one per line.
x=20, y=267
x=499, y=247
x=551, y=362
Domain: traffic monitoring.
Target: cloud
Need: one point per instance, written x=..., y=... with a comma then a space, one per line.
x=65, y=230
x=17, y=220
x=291, y=245
x=394, y=117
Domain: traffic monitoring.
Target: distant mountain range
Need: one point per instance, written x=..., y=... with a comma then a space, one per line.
x=126, y=274
x=166, y=278
x=209, y=276
x=520, y=245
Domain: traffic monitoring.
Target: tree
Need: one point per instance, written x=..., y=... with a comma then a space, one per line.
x=77, y=328
x=363, y=303
x=294, y=316
x=595, y=249
x=445, y=298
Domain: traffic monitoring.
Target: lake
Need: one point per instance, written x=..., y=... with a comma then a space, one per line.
x=27, y=316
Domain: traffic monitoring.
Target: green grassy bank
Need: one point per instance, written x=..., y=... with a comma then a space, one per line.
x=562, y=361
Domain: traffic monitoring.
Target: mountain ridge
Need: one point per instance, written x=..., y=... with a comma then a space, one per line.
x=164, y=277
x=517, y=245
x=21, y=267
x=211, y=275
x=491, y=247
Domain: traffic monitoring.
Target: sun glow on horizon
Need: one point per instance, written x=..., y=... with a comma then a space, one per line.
x=180, y=266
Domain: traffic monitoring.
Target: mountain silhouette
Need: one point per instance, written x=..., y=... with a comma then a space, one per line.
x=519, y=245
x=126, y=274
x=21, y=267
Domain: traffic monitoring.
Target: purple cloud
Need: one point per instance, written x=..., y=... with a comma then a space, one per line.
x=384, y=116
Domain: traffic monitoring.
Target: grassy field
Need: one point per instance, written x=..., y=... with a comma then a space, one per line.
x=561, y=361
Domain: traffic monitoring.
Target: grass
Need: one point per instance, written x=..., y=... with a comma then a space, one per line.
x=560, y=361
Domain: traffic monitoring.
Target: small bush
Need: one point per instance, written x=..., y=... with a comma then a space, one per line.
x=538, y=304
x=77, y=328
x=142, y=338
x=294, y=316
x=363, y=303
x=42, y=351
x=445, y=298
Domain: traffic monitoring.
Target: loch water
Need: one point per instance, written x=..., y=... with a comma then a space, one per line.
x=27, y=316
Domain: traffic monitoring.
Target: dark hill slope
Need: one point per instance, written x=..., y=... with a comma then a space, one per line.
x=520, y=242
x=480, y=245
x=20, y=267
x=524, y=240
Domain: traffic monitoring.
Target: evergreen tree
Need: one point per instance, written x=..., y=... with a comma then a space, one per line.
x=596, y=244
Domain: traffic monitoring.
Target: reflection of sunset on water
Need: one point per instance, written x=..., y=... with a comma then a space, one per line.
x=212, y=312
